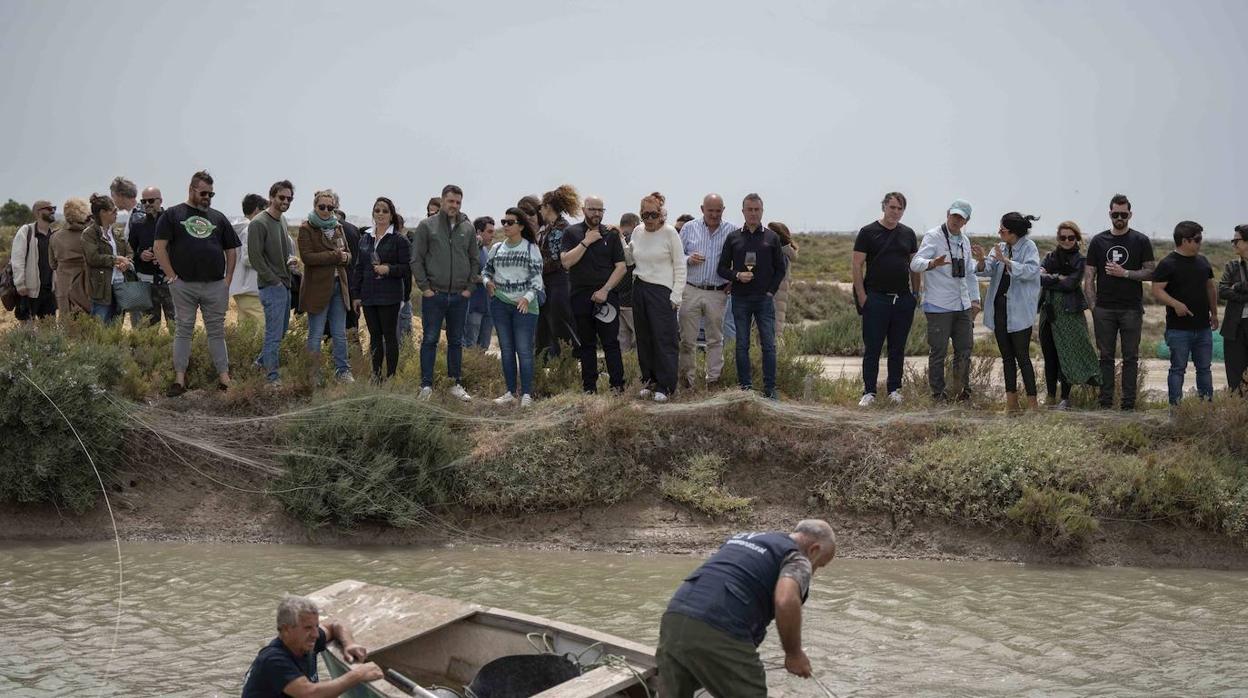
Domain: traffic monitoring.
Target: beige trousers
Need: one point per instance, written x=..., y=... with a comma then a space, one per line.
x=248, y=308
x=628, y=334
x=701, y=308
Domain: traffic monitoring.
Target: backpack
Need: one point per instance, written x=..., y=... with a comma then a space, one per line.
x=8, y=287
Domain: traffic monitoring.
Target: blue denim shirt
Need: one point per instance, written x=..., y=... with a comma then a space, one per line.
x=1023, y=296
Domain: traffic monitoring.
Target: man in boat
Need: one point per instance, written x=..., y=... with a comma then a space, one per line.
x=287, y=665
x=710, y=634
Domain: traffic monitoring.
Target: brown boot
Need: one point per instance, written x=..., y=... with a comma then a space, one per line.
x=1011, y=403
x=1032, y=403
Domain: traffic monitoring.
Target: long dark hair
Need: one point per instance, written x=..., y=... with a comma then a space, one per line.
x=395, y=219
x=527, y=230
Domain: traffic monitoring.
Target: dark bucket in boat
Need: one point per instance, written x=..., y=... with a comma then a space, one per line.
x=522, y=675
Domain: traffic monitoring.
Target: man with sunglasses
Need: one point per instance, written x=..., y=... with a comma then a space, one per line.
x=593, y=254
x=269, y=251
x=197, y=247
x=1183, y=282
x=1120, y=260
x=142, y=239
x=32, y=268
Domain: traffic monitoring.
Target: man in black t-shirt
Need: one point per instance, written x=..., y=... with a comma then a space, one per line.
x=594, y=258
x=287, y=665
x=1120, y=260
x=196, y=247
x=886, y=294
x=1183, y=281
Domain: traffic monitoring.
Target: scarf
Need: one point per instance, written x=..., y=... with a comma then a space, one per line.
x=324, y=225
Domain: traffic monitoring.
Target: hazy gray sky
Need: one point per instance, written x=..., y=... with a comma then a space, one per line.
x=1044, y=107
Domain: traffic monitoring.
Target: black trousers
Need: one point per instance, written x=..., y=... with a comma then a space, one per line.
x=658, y=336
x=1236, y=349
x=1015, y=353
x=383, y=332
x=554, y=323
x=1052, y=363
x=30, y=308
x=591, y=333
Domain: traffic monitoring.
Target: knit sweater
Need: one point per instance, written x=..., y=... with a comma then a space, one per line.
x=516, y=272
x=659, y=258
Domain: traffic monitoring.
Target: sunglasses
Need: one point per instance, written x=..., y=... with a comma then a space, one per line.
x=206, y=194
x=1236, y=241
x=380, y=212
x=1120, y=215
x=651, y=215
x=48, y=208
x=1067, y=238
x=279, y=197
x=324, y=207
x=147, y=202
x=508, y=222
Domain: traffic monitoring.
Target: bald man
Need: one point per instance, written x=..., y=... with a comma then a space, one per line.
x=142, y=237
x=594, y=257
x=718, y=617
x=706, y=292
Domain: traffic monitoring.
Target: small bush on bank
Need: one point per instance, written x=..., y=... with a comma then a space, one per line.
x=699, y=484
x=840, y=334
x=1062, y=520
x=43, y=460
x=794, y=373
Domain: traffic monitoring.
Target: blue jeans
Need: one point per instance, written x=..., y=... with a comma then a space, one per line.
x=335, y=314
x=1198, y=344
x=434, y=310
x=730, y=321
x=885, y=317
x=275, y=300
x=761, y=310
x=478, y=329
x=405, y=320
x=107, y=314
x=516, y=333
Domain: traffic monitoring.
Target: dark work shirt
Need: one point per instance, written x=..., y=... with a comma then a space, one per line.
x=888, y=256
x=275, y=667
x=769, y=262
x=1187, y=281
x=598, y=261
x=1131, y=250
x=45, y=264
x=143, y=237
x=198, y=239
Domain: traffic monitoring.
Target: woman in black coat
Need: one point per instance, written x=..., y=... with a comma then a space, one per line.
x=379, y=280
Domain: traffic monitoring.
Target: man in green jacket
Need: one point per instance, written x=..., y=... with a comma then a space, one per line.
x=445, y=266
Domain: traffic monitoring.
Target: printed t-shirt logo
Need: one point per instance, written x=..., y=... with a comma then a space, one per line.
x=198, y=227
x=1117, y=254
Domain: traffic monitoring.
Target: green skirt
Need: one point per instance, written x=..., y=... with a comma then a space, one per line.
x=1079, y=361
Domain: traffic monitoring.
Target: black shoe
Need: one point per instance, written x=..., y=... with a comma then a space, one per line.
x=175, y=390
x=222, y=386
x=940, y=399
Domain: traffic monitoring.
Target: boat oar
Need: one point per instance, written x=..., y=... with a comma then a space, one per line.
x=406, y=685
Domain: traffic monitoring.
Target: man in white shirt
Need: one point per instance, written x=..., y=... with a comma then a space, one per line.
x=706, y=292
x=950, y=299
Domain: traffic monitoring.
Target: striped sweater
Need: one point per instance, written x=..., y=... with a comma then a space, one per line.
x=516, y=272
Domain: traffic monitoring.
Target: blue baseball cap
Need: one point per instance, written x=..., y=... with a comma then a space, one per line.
x=962, y=208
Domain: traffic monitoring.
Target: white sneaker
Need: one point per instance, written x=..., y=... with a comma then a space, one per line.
x=526, y=400
x=660, y=397
x=425, y=393
x=346, y=378
x=457, y=391
x=644, y=393
x=505, y=399
x=867, y=400
x=895, y=397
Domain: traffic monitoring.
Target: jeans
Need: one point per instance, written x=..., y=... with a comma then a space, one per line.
x=942, y=327
x=405, y=320
x=383, y=337
x=591, y=332
x=762, y=310
x=212, y=298
x=275, y=300
x=478, y=329
x=885, y=316
x=1198, y=345
x=335, y=315
x=106, y=313
x=434, y=310
x=516, y=332
x=1108, y=324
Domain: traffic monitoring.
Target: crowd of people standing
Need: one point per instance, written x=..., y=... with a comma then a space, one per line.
x=553, y=284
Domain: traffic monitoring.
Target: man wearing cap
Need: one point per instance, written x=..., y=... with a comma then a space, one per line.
x=950, y=299
x=594, y=258
x=32, y=268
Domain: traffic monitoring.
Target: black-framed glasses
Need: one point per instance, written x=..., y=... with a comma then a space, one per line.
x=48, y=208
x=1067, y=238
x=508, y=222
x=148, y=202
x=1236, y=241
x=279, y=197
x=206, y=194
x=650, y=215
x=324, y=207
x=1120, y=215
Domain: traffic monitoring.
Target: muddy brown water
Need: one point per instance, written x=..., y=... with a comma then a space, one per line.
x=195, y=614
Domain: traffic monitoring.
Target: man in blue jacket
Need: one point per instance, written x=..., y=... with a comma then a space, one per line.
x=710, y=634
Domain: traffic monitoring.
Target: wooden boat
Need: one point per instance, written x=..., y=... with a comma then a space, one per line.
x=425, y=642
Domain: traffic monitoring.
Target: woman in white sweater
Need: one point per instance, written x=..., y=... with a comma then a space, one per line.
x=658, y=280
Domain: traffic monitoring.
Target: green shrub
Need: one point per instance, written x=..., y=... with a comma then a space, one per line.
x=1062, y=520
x=840, y=334
x=699, y=484
x=43, y=460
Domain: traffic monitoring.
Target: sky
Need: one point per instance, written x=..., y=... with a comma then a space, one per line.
x=820, y=106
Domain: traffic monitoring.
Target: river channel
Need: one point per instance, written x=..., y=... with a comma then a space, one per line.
x=195, y=614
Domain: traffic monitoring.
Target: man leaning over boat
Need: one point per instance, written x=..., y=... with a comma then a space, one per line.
x=716, y=620
x=287, y=665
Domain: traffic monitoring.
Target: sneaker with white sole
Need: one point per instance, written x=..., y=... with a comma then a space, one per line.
x=660, y=397
x=458, y=392
x=505, y=399
x=425, y=393
x=895, y=397
x=346, y=378
x=526, y=400
x=644, y=393
x=867, y=400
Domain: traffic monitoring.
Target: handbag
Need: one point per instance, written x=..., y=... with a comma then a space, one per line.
x=133, y=294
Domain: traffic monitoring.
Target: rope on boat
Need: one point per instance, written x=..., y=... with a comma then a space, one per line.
x=605, y=659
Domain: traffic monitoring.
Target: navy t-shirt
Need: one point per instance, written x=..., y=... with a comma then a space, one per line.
x=275, y=667
x=198, y=239
x=1187, y=281
x=888, y=256
x=1131, y=250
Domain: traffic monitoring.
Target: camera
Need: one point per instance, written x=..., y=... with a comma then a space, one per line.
x=957, y=267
